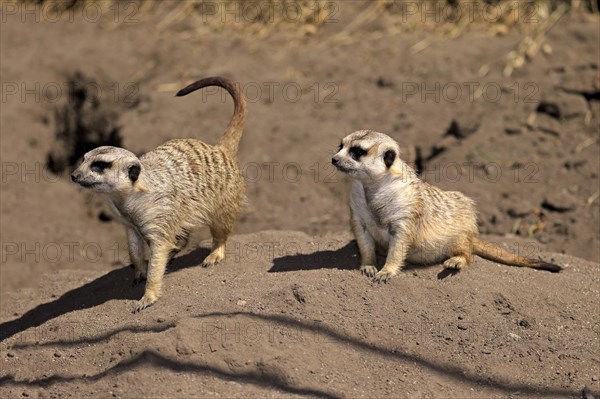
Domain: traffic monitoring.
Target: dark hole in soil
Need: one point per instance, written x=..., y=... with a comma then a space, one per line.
x=87, y=120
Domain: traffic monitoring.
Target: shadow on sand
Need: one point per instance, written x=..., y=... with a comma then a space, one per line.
x=116, y=284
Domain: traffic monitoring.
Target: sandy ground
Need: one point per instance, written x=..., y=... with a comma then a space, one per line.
x=304, y=321
x=287, y=316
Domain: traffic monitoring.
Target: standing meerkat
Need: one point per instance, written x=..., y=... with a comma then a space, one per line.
x=392, y=209
x=162, y=195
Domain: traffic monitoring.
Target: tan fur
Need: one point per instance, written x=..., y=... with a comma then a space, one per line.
x=392, y=209
x=162, y=195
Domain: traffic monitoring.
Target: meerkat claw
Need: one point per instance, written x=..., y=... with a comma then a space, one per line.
x=455, y=263
x=143, y=304
x=214, y=258
x=368, y=270
x=208, y=263
x=452, y=265
x=382, y=277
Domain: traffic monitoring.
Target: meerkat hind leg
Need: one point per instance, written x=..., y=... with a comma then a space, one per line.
x=180, y=242
x=456, y=262
x=136, y=255
x=219, y=238
x=461, y=256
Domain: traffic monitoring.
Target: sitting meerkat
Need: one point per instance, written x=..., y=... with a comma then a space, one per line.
x=392, y=209
x=162, y=195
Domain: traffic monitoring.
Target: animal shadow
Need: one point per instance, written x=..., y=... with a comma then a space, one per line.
x=116, y=284
x=345, y=258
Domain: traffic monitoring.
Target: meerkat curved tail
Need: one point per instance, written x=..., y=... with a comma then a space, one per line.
x=233, y=133
x=493, y=252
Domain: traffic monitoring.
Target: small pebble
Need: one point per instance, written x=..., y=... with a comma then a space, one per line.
x=462, y=326
x=514, y=336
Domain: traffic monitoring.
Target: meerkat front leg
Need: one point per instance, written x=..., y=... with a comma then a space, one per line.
x=159, y=257
x=395, y=258
x=136, y=255
x=366, y=247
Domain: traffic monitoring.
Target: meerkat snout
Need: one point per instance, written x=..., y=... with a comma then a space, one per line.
x=335, y=160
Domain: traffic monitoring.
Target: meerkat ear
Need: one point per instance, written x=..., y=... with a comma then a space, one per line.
x=134, y=171
x=389, y=157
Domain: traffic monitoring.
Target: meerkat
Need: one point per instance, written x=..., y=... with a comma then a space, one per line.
x=393, y=210
x=162, y=195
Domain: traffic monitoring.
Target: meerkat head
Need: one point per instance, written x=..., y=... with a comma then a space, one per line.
x=108, y=170
x=366, y=155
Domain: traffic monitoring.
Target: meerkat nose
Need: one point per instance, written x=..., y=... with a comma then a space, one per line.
x=334, y=160
x=74, y=177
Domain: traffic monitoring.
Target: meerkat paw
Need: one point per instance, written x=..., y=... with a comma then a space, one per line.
x=146, y=301
x=383, y=276
x=368, y=270
x=213, y=258
x=456, y=263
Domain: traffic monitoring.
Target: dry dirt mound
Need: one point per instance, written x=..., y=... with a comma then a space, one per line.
x=288, y=315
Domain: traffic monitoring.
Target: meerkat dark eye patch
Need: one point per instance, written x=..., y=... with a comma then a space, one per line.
x=100, y=166
x=389, y=157
x=357, y=152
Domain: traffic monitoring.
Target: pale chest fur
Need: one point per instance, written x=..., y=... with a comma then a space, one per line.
x=381, y=211
x=120, y=213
